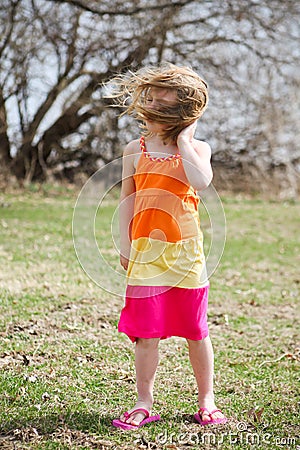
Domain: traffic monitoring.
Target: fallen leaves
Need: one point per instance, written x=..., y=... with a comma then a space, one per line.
x=293, y=356
x=255, y=414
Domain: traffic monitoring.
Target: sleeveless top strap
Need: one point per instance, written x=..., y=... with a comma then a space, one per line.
x=175, y=157
x=142, y=145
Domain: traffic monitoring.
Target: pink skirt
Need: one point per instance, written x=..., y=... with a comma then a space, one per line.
x=163, y=311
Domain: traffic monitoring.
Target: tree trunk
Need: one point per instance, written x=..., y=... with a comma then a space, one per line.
x=5, y=156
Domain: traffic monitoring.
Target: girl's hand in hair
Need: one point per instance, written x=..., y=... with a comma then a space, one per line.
x=187, y=134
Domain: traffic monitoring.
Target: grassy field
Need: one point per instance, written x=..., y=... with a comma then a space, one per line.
x=65, y=372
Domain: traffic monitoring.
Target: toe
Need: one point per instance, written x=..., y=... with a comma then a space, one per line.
x=136, y=419
x=210, y=414
x=133, y=418
x=205, y=417
x=217, y=415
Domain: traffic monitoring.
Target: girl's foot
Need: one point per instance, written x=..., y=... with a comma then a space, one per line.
x=136, y=419
x=208, y=412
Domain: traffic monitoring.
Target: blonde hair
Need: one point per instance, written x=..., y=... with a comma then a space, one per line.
x=130, y=91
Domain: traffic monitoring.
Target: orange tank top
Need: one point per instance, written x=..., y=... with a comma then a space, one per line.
x=166, y=205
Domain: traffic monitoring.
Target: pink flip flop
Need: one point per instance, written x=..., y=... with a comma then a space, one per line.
x=128, y=426
x=218, y=420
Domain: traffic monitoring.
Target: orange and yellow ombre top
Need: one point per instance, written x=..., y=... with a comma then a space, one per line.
x=167, y=242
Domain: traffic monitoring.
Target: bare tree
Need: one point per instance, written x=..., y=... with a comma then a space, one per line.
x=66, y=55
x=55, y=54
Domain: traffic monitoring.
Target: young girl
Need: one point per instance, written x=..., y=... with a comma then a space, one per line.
x=161, y=240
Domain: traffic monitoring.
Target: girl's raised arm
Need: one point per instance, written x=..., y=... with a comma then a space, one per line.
x=196, y=157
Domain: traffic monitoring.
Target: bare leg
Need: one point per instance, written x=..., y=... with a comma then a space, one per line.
x=146, y=361
x=202, y=359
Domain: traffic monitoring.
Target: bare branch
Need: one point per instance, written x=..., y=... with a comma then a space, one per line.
x=127, y=11
x=11, y=22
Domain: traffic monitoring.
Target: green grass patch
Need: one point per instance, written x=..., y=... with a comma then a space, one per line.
x=65, y=372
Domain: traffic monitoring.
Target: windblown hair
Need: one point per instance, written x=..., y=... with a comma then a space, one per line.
x=130, y=91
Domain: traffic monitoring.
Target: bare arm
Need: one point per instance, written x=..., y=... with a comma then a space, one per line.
x=196, y=156
x=126, y=205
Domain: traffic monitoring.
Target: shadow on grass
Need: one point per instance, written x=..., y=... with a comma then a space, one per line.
x=81, y=420
x=78, y=428
x=56, y=424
